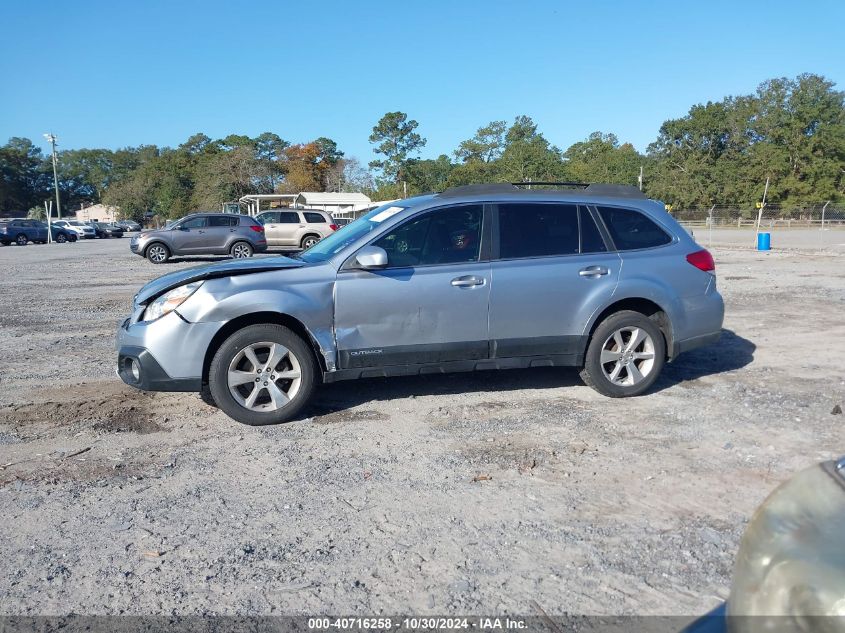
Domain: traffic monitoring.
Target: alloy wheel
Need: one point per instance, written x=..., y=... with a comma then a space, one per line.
x=627, y=356
x=264, y=376
x=157, y=253
x=241, y=251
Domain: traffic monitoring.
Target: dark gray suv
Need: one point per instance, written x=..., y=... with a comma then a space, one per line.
x=202, y=234
x=476, y=277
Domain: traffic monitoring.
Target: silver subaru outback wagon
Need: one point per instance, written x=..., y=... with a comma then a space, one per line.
x=476, y=277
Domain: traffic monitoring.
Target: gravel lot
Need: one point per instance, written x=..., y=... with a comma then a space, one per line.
x=465, y=494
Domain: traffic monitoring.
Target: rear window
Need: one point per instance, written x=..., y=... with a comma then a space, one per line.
x=312, y=218
x=632, y=230
x=222, y=220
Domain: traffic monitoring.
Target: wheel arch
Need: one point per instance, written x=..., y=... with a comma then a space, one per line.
x=158, y=241
x=260, y=318
x=647, y=307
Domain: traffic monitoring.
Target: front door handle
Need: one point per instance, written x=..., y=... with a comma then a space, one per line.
x=467, y=281
x=594, y=271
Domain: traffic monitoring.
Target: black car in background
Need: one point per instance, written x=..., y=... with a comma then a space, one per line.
x=106, y=229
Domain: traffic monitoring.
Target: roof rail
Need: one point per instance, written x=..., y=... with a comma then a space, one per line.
x=616, y=191
x=595, y=189
x=582, y=185
x=470, y=190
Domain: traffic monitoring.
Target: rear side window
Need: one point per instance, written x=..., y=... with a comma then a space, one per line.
x=537, y=230
x=271, y=217
x=591, y=239
x=312, y=218
x=288, y=217
x=631, y=230
x=222, y=220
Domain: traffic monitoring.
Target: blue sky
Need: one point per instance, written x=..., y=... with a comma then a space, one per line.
x=113, y=74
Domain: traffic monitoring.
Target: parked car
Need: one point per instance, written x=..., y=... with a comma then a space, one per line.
x=341, y=222
x=106, y=229
x=81, y=229
x=202, y=234
x=476, y=277
x=129, y=226
x=297, y=228
x=21, y=231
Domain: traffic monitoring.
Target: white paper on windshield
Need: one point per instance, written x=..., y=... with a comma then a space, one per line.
x=388, y=212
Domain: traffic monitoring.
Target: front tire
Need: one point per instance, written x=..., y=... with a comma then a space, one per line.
x=21, y=240
x=241, y=250
x=158, y=253
x=625, y=355
x=61, y=238
x=238, y=374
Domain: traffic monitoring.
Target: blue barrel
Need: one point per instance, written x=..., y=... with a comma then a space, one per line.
x=764, y=241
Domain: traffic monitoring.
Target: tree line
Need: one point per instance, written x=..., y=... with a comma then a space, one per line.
x=791, y=131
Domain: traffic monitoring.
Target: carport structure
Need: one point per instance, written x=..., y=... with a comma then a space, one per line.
x=253, y=201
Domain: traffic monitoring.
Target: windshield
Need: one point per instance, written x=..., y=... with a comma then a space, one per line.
x=345, y=235
x=76, y=223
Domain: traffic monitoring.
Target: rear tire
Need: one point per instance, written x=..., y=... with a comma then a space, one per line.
x=241, y=250
x=625, y=356
x=237, y=375
x=157, y=253
x=21, y=240
x=309, y=240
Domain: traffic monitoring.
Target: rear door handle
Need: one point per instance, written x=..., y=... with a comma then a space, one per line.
x=594, y=271
x=467, y=281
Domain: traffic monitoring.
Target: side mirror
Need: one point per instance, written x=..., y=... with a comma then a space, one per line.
x=371, y=258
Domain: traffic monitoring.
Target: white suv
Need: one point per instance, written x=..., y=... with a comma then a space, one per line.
x=80, y=228
x=297, y=228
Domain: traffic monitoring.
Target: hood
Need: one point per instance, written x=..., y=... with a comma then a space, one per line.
x=224, y=269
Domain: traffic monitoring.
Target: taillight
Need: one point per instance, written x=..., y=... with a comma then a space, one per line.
x=257, y=228
x=333, y=227
x=702, y=260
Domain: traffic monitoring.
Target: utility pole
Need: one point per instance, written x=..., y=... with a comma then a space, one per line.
x=762, y=205
x=52, y=138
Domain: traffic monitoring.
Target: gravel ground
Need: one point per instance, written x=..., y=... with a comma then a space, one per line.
x=468, y=493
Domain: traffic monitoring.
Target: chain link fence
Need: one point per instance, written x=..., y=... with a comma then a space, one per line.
x=812, y=227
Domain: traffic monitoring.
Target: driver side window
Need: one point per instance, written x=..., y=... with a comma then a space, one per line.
x=445, y=236
x=194, y=223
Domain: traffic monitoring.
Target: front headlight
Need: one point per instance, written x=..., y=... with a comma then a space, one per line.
x=791, y=560
x=169, y=301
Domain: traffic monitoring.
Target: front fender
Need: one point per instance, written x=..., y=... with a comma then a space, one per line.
x=309, y=301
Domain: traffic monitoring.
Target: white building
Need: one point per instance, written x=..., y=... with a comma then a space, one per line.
x=97, y=213
x=338, y=204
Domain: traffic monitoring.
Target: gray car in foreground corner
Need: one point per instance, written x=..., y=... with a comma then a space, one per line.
x=202, y=234
x=476, y=277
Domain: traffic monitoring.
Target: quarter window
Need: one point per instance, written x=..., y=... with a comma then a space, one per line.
x=631, y=230
x=446, y=236
x=313, y=218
